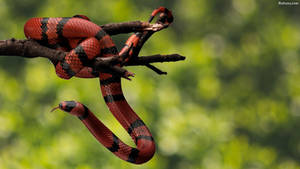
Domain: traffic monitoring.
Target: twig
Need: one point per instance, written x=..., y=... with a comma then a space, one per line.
x=155, y=69
x=144, y=60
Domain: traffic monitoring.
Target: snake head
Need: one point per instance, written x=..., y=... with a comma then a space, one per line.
x=165, y=17
x=67, y=106
x=72, y=107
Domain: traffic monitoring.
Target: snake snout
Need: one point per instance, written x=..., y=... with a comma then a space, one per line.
x=67, y=106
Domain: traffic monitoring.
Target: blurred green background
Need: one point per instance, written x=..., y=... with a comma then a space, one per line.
x=234, y=103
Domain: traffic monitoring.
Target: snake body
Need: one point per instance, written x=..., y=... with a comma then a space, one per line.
x=84, y=41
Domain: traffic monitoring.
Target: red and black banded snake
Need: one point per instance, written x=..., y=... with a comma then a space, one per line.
x=83, y=41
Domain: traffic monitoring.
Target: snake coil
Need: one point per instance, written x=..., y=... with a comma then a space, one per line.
x=84, y=41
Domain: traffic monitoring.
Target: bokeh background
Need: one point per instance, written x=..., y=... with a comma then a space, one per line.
x=234, y=103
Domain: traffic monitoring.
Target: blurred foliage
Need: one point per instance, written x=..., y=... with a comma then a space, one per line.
x=233, y=104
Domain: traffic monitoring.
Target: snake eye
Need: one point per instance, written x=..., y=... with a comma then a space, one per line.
x=67, y=105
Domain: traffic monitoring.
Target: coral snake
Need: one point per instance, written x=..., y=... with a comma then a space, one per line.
x=83, y=41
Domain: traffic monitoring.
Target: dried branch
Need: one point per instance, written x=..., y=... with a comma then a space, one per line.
x=124, y=27
x=30, y=49
x=134, y=26
x=144, y=60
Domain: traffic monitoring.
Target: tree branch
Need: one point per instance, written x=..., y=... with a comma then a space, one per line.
x=144, y=60
x=124, y=27
x=30, y=49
